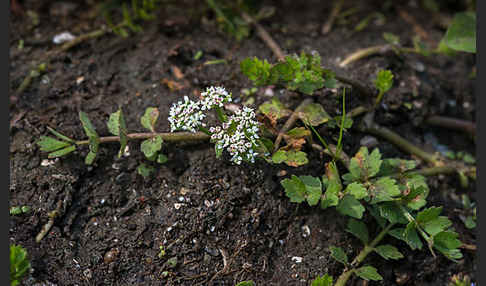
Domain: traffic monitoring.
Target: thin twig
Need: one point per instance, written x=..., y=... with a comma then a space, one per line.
x=326, y=28
x=452, y=123
x=47, y=227
x=343, y=157
x=264, y=36
x=290, y=122
x=400, y=142
x=363, y=53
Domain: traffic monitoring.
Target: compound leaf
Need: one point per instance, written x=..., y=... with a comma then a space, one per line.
x=358, y=229
x=368, y=273
x=388, y=252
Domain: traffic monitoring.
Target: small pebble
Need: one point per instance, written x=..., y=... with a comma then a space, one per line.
x=178, y=206
x=297, y=259
x=111, y=255
x=281, y=173
x=305, y=231
x=184, y=191
x=62, y=38
x=368, y=141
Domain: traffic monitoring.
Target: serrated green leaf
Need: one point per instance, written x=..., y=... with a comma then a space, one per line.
x=294, y=189
x=145, y=170
x=274, y=109
x=161, y=159
x=60, y=135
x=391, y=212
x=313, y=188
x=350, y=206
x=447, y=243
x=314, y=114
x=436, y=225
x=149, y=118
x=357, y=190
x=48, y=144
x=256, y=70
x=151, y=146
x=388, y=252
x=333, y=186
x=89, y=159
x=15, y=210
x=413, y=182
x=383, y=190
x=358, y=229
x=384, y=80
x=324, y=280
x=428, y=214
x=19, y=264
x=368, y=273
x=339, y=254
x=461, y=34
x=373, y=210
x=62, y=152
x=279, y=156
x=364, y=165
x=410, y=237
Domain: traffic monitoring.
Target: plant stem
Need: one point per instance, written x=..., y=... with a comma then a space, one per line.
x=452, y=123
x=401, y=142
x=290, y=122
x=363, y=53
x=336, y=8
x=344, y=277
x=264, y=36
x=378, y=99
x=168, y=137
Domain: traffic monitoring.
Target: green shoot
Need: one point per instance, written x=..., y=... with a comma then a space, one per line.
x=19, y=264
x=383, y=82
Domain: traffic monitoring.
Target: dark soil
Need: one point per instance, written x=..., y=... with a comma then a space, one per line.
x=206, y=212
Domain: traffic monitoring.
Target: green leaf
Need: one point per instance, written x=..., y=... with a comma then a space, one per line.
x=62, y=152
x=358, y=229
x=60, y=135
x=363, y=165
x=149, y=118
x=384, y=189
x=313, y=189
x=437, y=225
x=296, y=158
x=298, y=132
x=256, y=70
x=246, y=283
x=388, y=252
x=161, y=159
x=19, y=264
x=416, y=183
x=373, y=210
x=461, y=34
x=151, y=146
x=117, y=126
x=325, y=280
x=410, y=236
x=48, y=144
x=428, y=215
x=274, y=109
x=339, y=254
x=391, y=166
x=470, y=222
x=94, y=140
x=447, y=243
x=333, y=186
x=279, y=156
x=357, y=190
x=368, y=273
x=145, y=170
x=294, y=189
x=391, y=38
x=314, y=114
x=15, y=210
x=350, y=206
x=391, y=212
x=384, y=80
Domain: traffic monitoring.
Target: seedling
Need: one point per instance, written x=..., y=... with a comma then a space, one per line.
x=19, y=264
x=383, y=82
x=469, y=219
x=19, y=210
x=389, y=191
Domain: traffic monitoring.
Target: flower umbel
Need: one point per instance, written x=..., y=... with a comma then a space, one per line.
x=238, y=136
x=214, y=97
x=238, y=133
x=186, y=115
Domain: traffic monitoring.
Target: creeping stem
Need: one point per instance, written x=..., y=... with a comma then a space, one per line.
x=167, y=137
x=344, y=277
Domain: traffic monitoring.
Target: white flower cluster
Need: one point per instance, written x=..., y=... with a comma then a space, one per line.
x=238, y=136
x=214, y=96
x=186, y=115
